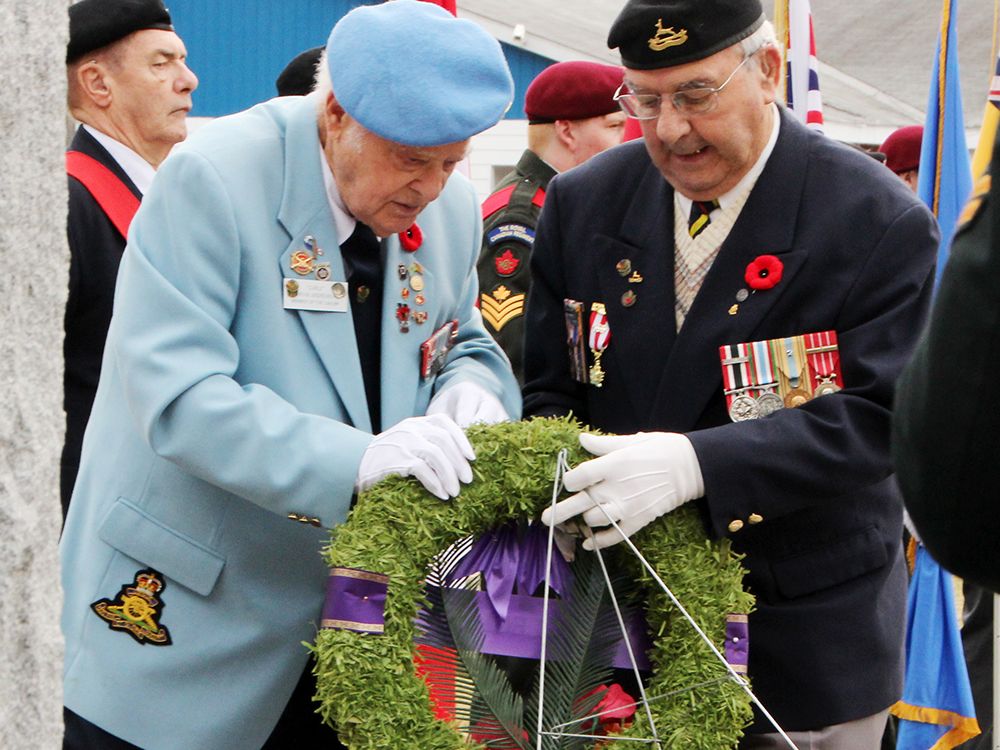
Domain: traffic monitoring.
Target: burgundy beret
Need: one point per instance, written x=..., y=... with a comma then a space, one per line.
x=902, y=148
x=573, y=90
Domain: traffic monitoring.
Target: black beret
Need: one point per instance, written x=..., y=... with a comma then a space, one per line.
x=97, y=23
x=299, y=75
x=661, y=33
x=573, y=90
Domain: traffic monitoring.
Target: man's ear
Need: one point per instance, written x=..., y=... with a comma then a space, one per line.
x=769, y=61
x=334, y=114
x=565, y=134
x=94, y=82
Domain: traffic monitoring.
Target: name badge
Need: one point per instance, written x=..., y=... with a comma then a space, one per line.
x=319, y=296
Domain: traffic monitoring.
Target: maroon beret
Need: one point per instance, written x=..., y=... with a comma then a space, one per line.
x=573, y=90
x=902, y=148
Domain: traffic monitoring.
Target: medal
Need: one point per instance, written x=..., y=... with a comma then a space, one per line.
x=301, y=262
x=599, y=338
x=403, y=316
x=823, y=356
x=573, y=315
x=790, y=357
x=736, y=382
x=768, y=401
x=434, y=351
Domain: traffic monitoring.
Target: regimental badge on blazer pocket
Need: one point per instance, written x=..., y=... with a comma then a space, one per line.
x=760, y=377
x=136, y=610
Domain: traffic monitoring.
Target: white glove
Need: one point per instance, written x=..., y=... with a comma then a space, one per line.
x=467, y=403
x=637, y=479
x=433, y=449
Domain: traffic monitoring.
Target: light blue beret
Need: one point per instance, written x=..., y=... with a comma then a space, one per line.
x=412, y=73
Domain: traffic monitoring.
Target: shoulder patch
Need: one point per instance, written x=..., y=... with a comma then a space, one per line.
x=515, y=232
x=500, y=306
x=507, y=260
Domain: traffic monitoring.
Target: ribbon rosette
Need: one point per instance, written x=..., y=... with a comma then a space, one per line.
x=763, y=272
x=411, y=238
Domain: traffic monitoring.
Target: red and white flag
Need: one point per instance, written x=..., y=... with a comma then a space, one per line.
x=802, y=93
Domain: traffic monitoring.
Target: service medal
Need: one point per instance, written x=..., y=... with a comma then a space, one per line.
x=599, y=338
x=743, y=408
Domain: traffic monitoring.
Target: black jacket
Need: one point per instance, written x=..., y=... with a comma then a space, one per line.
x=818, y=511
x=95, y=248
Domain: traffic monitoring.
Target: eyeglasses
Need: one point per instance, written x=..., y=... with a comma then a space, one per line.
x=686, y=101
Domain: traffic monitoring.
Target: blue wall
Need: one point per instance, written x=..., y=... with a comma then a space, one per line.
x=237, y=49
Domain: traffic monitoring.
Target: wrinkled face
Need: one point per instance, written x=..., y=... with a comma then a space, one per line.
x=596, y=134
x=382, y=183
x=151, y=87
x=705, y=155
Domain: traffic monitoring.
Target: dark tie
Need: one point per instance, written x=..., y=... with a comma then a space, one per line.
x=699, y=216
x=363, y=266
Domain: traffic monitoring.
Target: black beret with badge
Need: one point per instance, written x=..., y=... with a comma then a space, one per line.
x=94, y=24
x=653, y=34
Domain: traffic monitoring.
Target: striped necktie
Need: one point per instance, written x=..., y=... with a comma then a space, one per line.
x=698, y=219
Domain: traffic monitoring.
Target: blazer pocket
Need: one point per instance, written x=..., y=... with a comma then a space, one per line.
x=830, y=564
x=180, y=558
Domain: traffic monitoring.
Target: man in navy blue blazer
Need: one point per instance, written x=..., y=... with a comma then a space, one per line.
x=735, y=296
x=295, y=320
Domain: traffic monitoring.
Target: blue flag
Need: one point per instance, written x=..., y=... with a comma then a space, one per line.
x=945, y=178
x=936, y=712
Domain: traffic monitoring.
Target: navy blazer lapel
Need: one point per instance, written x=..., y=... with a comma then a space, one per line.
x=305, y=211
x=642, y=333
x=766, y=226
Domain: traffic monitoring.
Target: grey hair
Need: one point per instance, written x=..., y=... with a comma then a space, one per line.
x=323, y=84
x=762, y=37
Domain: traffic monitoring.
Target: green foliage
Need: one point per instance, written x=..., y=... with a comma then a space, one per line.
x=366, y=684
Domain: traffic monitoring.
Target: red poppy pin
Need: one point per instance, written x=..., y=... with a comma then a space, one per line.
x=763, y=272
x=411, y=238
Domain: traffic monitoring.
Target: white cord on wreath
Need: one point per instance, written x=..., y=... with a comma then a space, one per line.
x=561, y=467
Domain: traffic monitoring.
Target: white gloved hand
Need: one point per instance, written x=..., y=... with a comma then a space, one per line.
x=433, y=449
x=637, y=479
x=468, y=403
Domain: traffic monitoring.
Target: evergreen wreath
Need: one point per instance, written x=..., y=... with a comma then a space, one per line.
x=367, y=685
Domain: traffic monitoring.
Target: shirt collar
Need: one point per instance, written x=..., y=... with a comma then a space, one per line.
x=750, y=178
x=342, y=219
x=140, y=171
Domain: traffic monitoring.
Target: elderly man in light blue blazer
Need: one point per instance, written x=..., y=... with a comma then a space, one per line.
x=235, y=415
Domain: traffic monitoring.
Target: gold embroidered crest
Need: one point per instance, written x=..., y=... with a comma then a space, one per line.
x=666, y=37
x=135, y=609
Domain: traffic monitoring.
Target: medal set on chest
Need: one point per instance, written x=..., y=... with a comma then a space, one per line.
x=597, y=335
x=761, y=377
x=314, y=291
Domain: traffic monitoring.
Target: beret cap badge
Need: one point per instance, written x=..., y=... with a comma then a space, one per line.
x=666, y=37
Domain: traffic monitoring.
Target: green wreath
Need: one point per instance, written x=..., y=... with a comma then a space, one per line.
x=367, y=685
